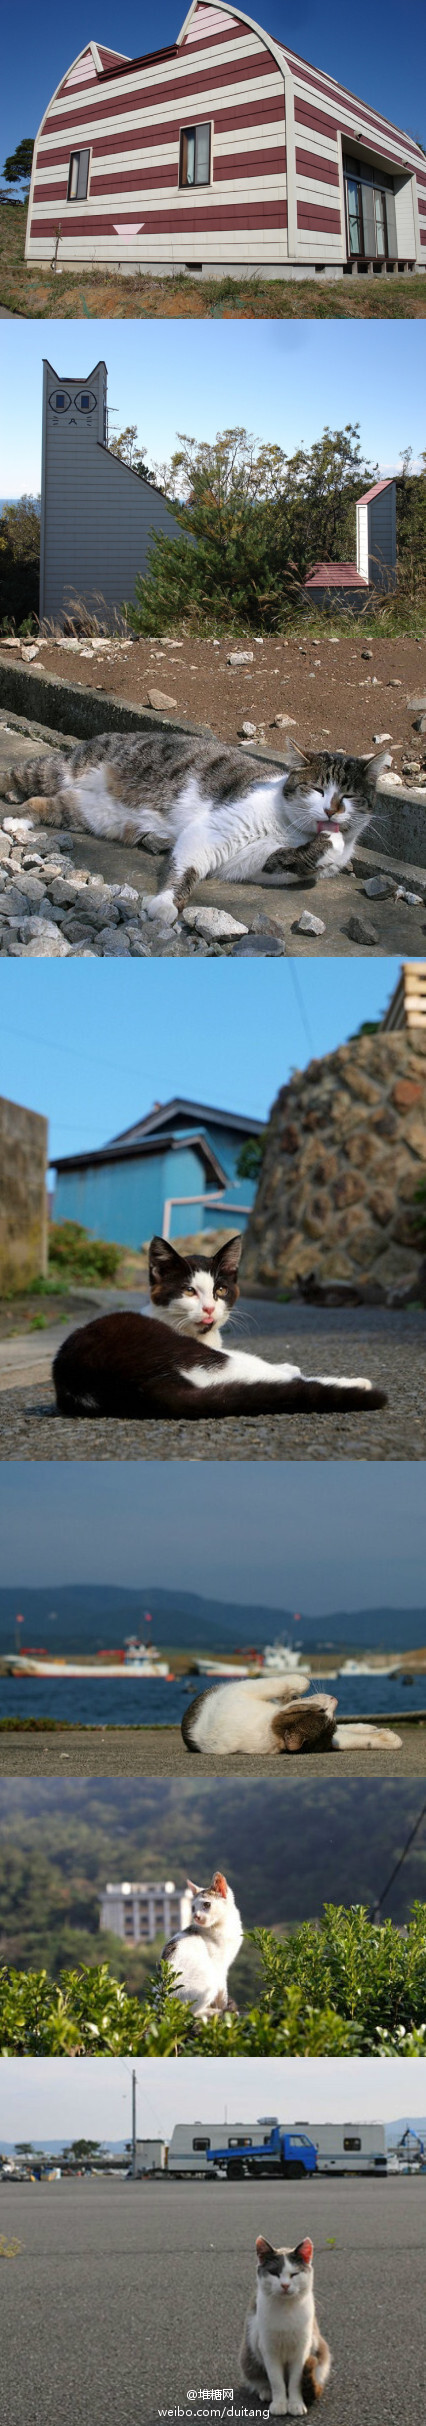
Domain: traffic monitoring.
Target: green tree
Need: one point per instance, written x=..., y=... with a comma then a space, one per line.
x=251, y=1156
x=127, y=448
x=253, y=520
x=17, y=168
x=19, y=562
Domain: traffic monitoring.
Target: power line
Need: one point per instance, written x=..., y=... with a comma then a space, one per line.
x=301, y=1006
x=402, y=1857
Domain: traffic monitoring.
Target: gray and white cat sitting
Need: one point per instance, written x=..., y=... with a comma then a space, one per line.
x=200, y=1956
x=267, y=1714
x=283, y=2352
x=218, y=811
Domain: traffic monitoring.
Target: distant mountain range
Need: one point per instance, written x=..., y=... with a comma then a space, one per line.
x=394, y=2132
x=85, y=1617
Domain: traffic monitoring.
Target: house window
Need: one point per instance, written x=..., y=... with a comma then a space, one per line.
x=198, y=2145
x=370, y=207
x=78, y=176
x=194, y=166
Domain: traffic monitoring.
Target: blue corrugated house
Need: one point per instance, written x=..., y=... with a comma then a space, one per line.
x=152, y=1176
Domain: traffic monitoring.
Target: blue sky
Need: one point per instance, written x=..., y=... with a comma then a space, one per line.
x=93, y=1047
x=45, y=2099
x=283, y=381
x=311, y=1538
x=365, y=48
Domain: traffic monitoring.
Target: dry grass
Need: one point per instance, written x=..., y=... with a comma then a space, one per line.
x=38, y=294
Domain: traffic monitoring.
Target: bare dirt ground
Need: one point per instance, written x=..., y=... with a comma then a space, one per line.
x=160, y=1752
x=324, y=684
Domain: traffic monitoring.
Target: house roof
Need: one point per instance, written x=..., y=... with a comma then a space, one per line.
x=122, y=1151
x=376, y=491
x=165, y=1113
x=335, y=577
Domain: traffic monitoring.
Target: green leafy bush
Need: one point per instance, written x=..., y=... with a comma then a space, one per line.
x=346, y=1987
x=71, y=1249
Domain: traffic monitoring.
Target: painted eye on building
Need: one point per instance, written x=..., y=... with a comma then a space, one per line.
x=59, y=401
x=85, y=402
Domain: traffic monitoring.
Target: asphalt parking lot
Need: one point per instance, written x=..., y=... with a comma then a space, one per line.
x=386, y=1346
x=124, y=2297
x=160, y=1752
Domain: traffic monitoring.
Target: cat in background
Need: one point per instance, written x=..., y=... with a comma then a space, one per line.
x=283, y=2352
x=200, y=1955
x=267, y=1714
x=171, y=1363
x=219, y=811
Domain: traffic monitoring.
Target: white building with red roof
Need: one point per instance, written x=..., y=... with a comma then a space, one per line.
x=224, y=151
x=375, y=568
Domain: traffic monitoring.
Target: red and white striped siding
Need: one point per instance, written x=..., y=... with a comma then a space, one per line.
x=132, y=123
x=130, y=114
x=324, y=111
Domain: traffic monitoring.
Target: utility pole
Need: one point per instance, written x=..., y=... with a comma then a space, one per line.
x=133, y=2126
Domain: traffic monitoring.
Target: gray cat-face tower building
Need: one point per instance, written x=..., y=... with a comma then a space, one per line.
x=97, y=517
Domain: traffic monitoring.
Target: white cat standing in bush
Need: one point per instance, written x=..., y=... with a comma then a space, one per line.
x=283, y=2353
x=200, y=1956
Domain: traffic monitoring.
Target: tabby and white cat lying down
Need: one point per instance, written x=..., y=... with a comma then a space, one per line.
x=283, y=2353
x=200, y=1956
x=136, y=1365
x=220, y=811
x=267, y=1714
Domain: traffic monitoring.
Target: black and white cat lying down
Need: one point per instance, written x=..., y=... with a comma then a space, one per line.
x=137, y=1365
x=213, y=808
x=267, y=1714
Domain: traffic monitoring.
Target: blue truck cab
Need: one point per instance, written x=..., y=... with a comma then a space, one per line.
x=288, y=2153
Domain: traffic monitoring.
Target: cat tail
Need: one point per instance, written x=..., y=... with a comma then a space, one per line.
x=316, y=2371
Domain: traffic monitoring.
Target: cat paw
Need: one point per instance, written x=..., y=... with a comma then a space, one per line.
x=297, y=2409
x=163, y=908
x=279, y=2409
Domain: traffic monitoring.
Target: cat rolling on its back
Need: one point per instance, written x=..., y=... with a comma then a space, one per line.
x=219, y=811
x=283, y=2353
x=267, y=1714
x=172, y=1363
x=200, y=1956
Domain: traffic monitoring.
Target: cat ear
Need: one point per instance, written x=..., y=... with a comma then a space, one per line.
x=219, y=1885
x=305, y=2251
x=294, y=1738
x=193, y=1890
x=264, y=2249
x=161, y=1253
x=375, y=765
x=227, y=1258
x=293, y=757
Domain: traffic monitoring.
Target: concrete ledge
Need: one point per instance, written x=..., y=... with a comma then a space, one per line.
x=65, y=708
x=59, y=705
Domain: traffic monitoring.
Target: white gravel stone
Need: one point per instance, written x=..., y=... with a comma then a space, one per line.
x=213, y=923
x=240, y=657
x=308, y=925
x=159, y=700
x=382, y=736
x=46, y=947
x=247, y=731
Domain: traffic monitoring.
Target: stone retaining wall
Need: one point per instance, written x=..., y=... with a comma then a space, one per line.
x=23, y=1198
x=345, y=1152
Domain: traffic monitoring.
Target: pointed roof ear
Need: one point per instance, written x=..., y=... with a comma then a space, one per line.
x=305, y=2250
x=227, y=1258
x=264, y=2249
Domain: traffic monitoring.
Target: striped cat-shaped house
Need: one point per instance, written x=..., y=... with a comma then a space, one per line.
x=224, y=151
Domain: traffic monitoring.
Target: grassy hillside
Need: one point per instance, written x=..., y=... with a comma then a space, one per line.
x=38, y=294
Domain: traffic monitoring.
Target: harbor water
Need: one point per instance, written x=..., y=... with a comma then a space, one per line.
x=152, y=1702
